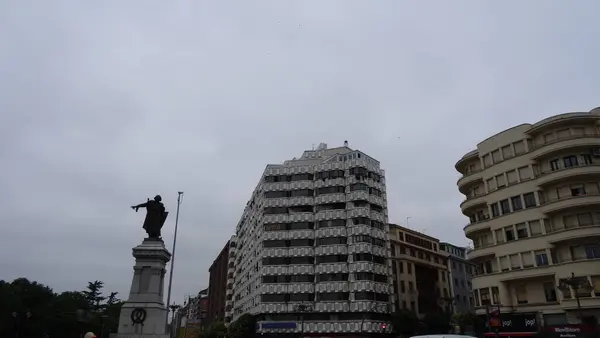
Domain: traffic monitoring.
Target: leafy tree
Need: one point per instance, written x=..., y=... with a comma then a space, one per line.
x=243, y=327
x=405, y=322
x=214, y=330
x=112, y=299
x=33, y=309
x=93, y=295
x=464, y=320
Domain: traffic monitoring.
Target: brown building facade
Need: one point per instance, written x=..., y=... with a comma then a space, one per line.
x=217, y=286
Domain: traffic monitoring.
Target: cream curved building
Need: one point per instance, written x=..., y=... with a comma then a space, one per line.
x=533, y=201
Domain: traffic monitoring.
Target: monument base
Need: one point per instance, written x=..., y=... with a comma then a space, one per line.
x=144, y=314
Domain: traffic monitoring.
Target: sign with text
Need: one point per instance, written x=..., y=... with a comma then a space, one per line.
x=572, y=331
x=516, y=322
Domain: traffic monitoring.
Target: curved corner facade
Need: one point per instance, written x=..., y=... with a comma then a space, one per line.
x=311, y=249
x=533, y=202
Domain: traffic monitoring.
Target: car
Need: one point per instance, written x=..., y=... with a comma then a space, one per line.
x=449, y=335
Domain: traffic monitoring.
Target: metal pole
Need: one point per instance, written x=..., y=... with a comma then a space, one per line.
x=179, y=197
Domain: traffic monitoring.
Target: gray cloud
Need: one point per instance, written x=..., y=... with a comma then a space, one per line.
x=105, y=104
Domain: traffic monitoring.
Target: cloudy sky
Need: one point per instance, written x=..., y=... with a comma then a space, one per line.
x=106, y=103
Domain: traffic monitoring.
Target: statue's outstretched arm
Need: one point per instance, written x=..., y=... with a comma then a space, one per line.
x=136, y=207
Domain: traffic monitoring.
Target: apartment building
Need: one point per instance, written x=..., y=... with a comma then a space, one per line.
x=231, y=258
x=311, y=250
x=217, y=286
x=460, y=272
x=419, y=270
x=533, y=198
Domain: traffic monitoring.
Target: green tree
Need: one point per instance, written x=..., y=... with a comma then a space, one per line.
x=93, y=295
x=214, y=330
x=464, y=320
x=33, y=309
x=405, y=322
x=243, y=327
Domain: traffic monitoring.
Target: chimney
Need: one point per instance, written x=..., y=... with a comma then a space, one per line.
x=345, y=143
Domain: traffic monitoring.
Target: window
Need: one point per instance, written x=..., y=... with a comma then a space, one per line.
x=488, y=267
x=587, y=159
x=274, y=298
x=413, y=308
x=334, y=277
x=592, y=251
x=485, y=296
x=301, y=242
x=535, y=227
x=302, y=278
x=409, y=268
x=333, y=296
x=491, y=184
x=495, y=210
x=550, y=292
x=401, y=267
x=519, y=147
x=525, y=173
x=596, y=284
x=541, y=258
x=529, y=199
x=522, y=231
x=505, y=206
x=510, y=235
x=501, y=181
x=495, y=295
x=402, y=286
x=410, y=286
x=577, y=190
x=570, y=161
x=585, y=219
x=507, y=152
x=554, y=165
x=517, y=203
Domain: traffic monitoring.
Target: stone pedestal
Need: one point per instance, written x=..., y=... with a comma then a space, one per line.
x=146, y=293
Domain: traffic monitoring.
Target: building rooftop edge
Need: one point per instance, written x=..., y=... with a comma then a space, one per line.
x=414, y=232
x=595, y=111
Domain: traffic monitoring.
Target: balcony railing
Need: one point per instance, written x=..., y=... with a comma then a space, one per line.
x=560, y=139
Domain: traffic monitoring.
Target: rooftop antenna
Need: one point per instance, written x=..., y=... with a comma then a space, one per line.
x=313, y=148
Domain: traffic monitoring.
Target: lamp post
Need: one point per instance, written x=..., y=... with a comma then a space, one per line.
x=302, y=309
x=179, y=201
x=174, y=309
x=575, y=283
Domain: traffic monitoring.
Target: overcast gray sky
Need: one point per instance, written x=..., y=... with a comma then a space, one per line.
x=106, y=103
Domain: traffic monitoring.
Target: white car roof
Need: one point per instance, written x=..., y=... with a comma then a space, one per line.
x=443, y=336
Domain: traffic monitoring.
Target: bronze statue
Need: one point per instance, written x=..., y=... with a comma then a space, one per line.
x=155, y=216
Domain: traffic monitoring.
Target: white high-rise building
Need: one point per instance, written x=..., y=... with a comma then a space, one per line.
x=311, y=248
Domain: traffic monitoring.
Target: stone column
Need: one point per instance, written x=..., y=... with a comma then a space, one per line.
x=146, y=292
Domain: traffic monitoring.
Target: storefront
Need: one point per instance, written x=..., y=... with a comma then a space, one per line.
x=516, y=325
x=572, y=331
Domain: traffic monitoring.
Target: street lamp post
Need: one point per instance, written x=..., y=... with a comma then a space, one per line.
x=174, y=309
x=302, y=309
x=575, y=283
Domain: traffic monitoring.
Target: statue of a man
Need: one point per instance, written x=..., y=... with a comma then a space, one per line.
x=155, y=216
